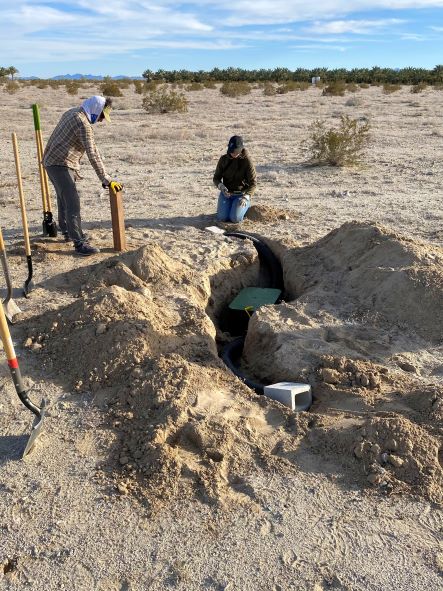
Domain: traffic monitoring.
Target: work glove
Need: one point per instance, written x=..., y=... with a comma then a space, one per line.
x=221, y=187
x=244, y=201
x=115, y=186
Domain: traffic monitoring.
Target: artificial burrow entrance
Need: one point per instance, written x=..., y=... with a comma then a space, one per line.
x=252, y=291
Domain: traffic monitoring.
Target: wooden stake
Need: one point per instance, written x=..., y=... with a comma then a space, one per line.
x=118, y=220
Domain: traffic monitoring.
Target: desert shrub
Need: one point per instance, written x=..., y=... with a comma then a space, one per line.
x=337, y=88
x=162, y=100
x=390, y=88
x=302, y=85
x=364, y=85
x=11, y=87
x=123, y=83
x=282, y=89
x=138, y=86
x=338, y=146
x=194, y=86
x=110, y=87
x=269, y=89
x=151, y=85
x=417, y=88
x=42, y=84
x=72, y=87
x=351, y=87
x=209, y=84
x=234, y=89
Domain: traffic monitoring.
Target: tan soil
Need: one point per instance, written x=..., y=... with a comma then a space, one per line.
x=157, y=468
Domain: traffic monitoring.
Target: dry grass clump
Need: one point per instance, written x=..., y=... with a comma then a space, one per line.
x=234, y=89
x=337, y=88
x=342, y=146
x=110, y=87
x=72, y=87
x=417, y=88
x=163, y=100
x=209, y=84
x=11, y=87
x=138, y=86
x=194, y=86
x=351, y=87
x=291, y=86
x=269, y=89
x=364, y=85
x=390, y=88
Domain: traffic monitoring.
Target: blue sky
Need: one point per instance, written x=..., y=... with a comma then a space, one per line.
x=46, y=38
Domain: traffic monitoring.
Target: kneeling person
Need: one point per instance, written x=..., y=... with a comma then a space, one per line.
x=236, y=179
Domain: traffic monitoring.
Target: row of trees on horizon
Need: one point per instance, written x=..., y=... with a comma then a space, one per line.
x=356, y=75
x=375, y=75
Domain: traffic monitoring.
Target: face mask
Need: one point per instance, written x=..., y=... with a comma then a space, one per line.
x=93, y=118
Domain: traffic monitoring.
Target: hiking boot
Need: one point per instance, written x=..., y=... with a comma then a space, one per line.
x=85, y=250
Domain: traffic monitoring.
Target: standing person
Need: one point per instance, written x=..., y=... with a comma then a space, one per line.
x=71, y=138
x=236, y=179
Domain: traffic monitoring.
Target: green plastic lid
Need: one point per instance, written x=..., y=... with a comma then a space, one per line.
x=251, y=298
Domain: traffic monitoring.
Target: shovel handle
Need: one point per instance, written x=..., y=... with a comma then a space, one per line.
x=13, y=364
x=45, y=174
x=2, y=242
x=22, y=198
x=36, y=114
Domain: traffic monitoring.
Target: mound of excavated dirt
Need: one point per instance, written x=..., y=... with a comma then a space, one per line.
x=139, y=337
x=364, y=328
x=267, y=213
x=397, y=453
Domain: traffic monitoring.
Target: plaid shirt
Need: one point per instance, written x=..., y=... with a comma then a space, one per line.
x=72, y=137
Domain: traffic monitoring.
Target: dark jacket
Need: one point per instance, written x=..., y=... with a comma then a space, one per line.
x=237, y=174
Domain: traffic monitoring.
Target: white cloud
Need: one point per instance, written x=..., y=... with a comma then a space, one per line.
x=360, y=27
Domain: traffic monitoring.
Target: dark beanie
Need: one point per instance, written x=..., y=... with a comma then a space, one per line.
x=235, y=143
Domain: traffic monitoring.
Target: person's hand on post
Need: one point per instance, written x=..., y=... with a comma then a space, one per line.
x=221, y=187
x=115, y=186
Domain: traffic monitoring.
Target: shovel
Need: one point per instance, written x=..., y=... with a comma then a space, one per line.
x=29, y=284
x=9, y=306
x=49, y=225
x=18, y=383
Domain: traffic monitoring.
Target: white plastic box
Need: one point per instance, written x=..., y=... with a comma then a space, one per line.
x=297, y=396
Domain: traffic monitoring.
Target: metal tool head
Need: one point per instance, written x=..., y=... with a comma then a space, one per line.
x=28, y=286
x=49, y=225
x=36, y=428
x=11, y=310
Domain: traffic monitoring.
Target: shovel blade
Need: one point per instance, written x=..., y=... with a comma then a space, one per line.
x=28, y=286
x=11, y=310
x=36, y=428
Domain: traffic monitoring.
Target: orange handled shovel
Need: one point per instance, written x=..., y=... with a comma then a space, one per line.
x=29, y=284
x=18, y=383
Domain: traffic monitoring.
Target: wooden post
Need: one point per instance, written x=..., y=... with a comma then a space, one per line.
x=118, y=220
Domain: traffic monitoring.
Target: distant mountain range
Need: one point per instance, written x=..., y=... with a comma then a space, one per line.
x=83, y=77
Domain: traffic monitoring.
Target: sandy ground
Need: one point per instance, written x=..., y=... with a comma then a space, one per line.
x=125, y=490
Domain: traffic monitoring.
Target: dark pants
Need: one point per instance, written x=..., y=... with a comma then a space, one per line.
x=68, y=202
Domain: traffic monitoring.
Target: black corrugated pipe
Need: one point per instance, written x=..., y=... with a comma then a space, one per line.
x=233, y=350
x=266, y=257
